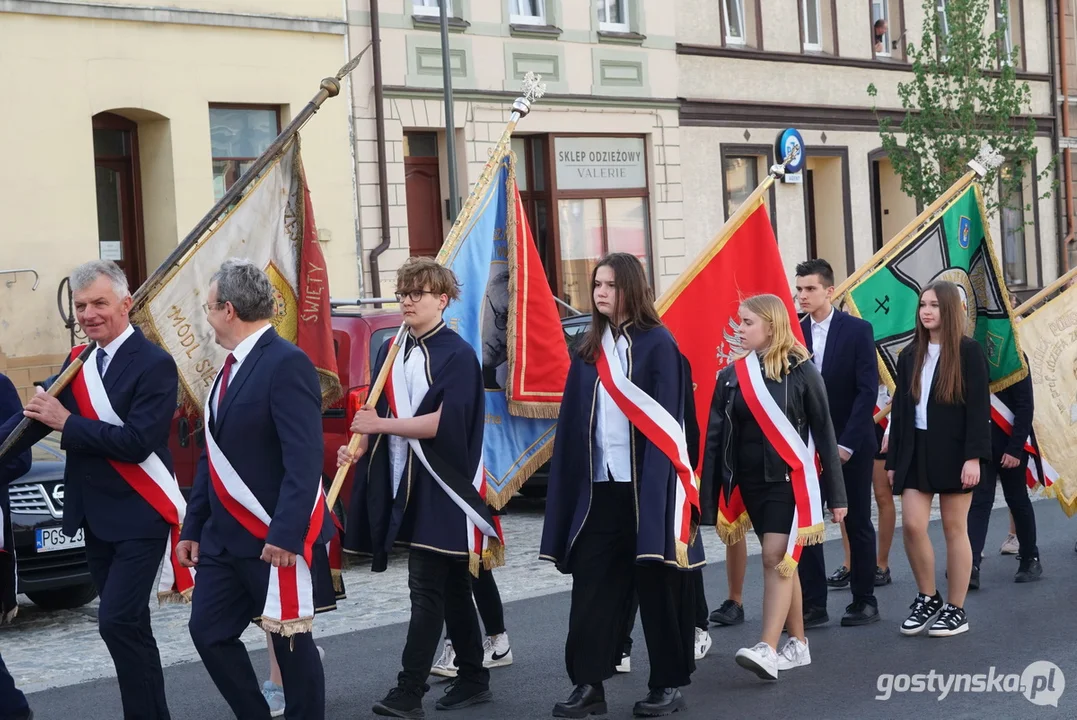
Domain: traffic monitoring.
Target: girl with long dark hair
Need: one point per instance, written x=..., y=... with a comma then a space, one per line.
x=622, y=504
x=940, y=436
x=768, y=420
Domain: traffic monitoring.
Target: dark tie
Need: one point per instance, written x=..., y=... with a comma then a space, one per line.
x=226, y=375
x=101, y=355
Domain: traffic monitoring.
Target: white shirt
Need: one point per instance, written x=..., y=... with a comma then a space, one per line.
x=414, y=367
x=114, y=347
x=927, y=374
x=819, y=331
x=240, y=353
x=613, y=432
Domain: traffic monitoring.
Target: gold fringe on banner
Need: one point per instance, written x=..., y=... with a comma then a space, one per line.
x=813, y=535
x=732, y=533
x=787, y=566
x=541, y=456
x=171, y=597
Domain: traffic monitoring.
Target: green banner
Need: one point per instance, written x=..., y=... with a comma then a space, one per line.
x=956, y=246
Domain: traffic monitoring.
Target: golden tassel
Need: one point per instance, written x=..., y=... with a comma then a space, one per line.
x=493, y=556
x=813, y=535
x=787, y=566
x=286, y=629
x=732, y=533
x=338, y=581
x=474, y=562
x=682, y=554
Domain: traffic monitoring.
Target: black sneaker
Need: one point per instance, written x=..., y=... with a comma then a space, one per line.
x=815, y=617
x=839, y=578
x=974, y=578
x=924, y=610
x=1029, y=570
x=730, y=613
x=882, y=577
x=400, y=703
x=461, y=695
x=952, y=621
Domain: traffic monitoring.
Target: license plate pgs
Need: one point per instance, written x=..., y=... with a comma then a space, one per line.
x=51, y=539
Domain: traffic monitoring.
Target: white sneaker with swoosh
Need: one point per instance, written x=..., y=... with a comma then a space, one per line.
x=496, y=651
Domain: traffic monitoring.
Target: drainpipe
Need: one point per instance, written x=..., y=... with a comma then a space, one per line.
x=383, y=169
x=1067, y=159
x=351, y=143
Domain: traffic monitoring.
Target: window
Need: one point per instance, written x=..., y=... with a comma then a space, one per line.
x=527, y=12
x=734, y=22
x=432, y=7
x=944, y=29
x=1012, y=219
x=238, y=136
x=613, y=15
x=813, y=25
x=1008, y=21
x=741, y=178
x=880, y=18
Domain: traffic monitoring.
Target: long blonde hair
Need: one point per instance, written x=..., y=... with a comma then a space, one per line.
x=783, y=342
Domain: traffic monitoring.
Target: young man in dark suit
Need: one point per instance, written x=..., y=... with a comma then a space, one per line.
x=125, y=536
x=843, y=348
x=265, y=417
x=13, y=705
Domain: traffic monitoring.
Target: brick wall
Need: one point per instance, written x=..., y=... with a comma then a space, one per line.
x=25, y=371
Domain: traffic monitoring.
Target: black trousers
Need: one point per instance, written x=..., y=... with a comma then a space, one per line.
x=1016, y=492
x=702, y=620
x=857, y=473
x=231, y=592
x=488, y=601
x=440, y=588
x=604, y=573
x=124, y=573
x=12, y=701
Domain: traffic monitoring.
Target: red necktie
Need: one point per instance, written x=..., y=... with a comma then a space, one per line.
x=225, y=376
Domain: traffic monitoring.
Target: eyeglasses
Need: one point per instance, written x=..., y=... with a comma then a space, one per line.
x=213, y=306
x=413, y=295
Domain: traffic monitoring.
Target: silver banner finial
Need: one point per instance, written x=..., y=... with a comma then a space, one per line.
x=987, y=160
x=534, y=88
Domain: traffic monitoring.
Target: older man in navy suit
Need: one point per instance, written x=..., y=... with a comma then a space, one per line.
x=843, y=348
x=125, y=536
x=265, y=418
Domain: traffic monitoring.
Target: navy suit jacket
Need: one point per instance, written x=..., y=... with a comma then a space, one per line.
x=14, y=465
x=851, y=374
x=141, y=382
x=270, y=429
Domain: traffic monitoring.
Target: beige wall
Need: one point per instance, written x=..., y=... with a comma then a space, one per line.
x=163, y=76
x=288, y=8
x=830, y=211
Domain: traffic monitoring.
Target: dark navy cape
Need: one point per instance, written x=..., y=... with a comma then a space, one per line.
x=422, y=515
x=656, y=366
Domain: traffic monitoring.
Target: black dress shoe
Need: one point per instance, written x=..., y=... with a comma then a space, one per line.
x=860, y=613
x=585, y=700
x=815, y=617
x=1029, y=570
x=882, y=577
x=730, y=613
x=974, y=578
x=659, y=702
x=839, y=578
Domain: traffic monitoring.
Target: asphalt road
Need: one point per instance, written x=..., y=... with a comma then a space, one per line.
x=1012, y=626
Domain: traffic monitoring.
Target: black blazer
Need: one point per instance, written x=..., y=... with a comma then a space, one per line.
x=851, y=374
x=958, y=432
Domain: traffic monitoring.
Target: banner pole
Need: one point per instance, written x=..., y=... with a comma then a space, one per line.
x=1027, y=305
x=533, y=90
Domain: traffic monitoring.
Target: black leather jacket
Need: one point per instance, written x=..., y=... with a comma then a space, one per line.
x=803, y=396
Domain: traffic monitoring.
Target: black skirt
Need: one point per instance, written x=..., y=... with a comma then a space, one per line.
x=769, y=504
x=925, y=475
x=879, y=432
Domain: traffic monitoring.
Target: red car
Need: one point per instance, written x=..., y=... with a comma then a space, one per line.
x=358, y=333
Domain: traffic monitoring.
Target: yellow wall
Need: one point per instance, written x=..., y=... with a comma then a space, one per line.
x=59, y=72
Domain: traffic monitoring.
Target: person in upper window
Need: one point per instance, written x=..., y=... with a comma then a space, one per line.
x=881, y=29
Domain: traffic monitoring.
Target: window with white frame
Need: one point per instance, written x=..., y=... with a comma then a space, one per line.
x=1012, y=220
x=734, y=22
x=880, y=19
x=527, y=12
x=944, y=27
x=613, y=15
x=432, y=7
x=813, y=25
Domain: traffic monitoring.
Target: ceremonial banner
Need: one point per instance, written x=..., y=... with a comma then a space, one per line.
x=1049, y=337
x=956, y=246
x=506, y=311
x=701, y=310
x=272, y=226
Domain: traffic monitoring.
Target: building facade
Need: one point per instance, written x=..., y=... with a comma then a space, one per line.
x=598, y=158
x=749, y=68
x=125, y=123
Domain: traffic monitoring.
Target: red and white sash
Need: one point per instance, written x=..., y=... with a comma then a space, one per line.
x=149, y=478
x=289, y=606
x=484, y=541
x=1003, y=417
x=881, y=402
x=808, y=527
x=659, y=427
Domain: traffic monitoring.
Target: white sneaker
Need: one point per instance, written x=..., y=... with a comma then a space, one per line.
x=446, y=664
x=703, y=643
x=496, y=651
x=761, y=660
x=1010, y=546
x=794, y=654
x=625, y=666
x=321, y=653
x=274, y=695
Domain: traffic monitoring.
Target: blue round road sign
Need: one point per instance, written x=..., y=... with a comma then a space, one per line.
x=790, y=143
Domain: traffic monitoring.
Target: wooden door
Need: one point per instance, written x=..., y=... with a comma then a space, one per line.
x=422, y=183
x=119, y=196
